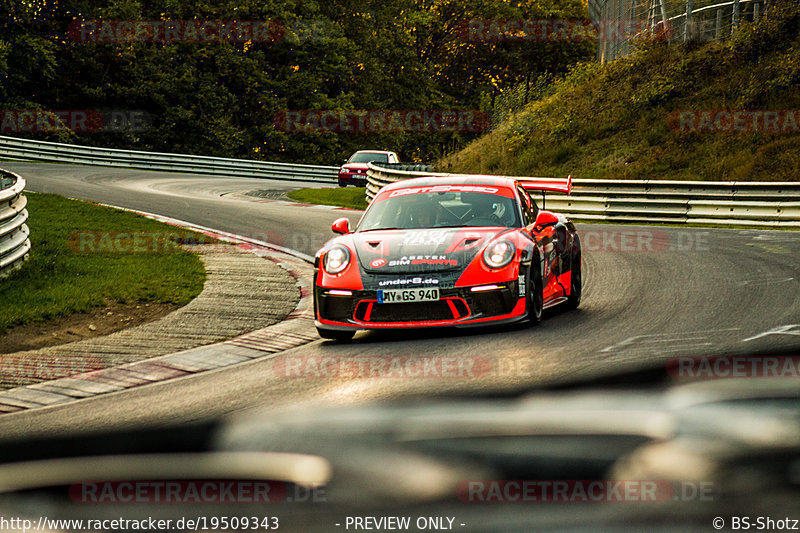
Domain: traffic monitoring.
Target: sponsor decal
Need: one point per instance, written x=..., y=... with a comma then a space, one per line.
x=411, y=281
x=378, y=263
x=425, y=238
x=441, y=261
x=444, y=188
x=423, y=260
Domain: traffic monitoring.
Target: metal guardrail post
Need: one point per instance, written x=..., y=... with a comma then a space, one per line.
x=14, y=242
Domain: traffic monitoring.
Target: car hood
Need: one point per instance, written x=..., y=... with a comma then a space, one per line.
x=354, y=166
x=420, y=250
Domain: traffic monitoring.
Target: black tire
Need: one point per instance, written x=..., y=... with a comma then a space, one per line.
x=535, y=293
x=576, y=278
x=342, y=184
x=336, y=334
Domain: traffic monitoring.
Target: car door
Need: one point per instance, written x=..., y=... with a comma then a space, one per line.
x=544, y=235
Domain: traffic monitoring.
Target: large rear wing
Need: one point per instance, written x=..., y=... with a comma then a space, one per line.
x=547, y=184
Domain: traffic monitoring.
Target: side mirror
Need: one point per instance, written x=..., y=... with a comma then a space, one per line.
x=341, y=226
x=545, y=218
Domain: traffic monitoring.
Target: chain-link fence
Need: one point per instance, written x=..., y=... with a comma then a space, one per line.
x=621, y=21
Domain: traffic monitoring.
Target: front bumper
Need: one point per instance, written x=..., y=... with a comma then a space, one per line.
x=459, y=307
x=352, y=178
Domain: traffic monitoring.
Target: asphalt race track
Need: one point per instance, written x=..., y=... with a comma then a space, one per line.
x=650, y=294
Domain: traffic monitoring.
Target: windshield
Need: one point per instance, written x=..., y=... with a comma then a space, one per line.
x=440, y=210
x=368, y=157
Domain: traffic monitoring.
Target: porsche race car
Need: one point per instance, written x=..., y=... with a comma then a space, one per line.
x=448, y=251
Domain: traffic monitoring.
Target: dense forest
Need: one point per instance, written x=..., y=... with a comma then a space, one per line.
x=223, y=96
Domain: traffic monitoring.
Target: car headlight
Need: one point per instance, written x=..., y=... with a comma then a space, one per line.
x=337, y=259
x=499, y=253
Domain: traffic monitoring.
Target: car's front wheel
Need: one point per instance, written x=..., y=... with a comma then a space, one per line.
x=335, y=334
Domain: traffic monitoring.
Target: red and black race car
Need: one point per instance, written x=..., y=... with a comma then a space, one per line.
x=447, y=251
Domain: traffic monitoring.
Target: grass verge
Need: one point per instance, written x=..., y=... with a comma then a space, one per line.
x=351, y=197
x=59, y=279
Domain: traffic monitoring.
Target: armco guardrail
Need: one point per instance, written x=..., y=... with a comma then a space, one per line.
x=86, y=155
x=382, y=174
x=14, y=241
x=727, y=203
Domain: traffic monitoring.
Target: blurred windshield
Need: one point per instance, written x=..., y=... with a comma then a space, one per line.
x=441, y=210
x=368, y=157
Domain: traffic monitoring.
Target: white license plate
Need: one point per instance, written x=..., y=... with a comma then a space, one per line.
x=398, y=296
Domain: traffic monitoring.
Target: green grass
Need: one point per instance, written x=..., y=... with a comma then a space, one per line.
x=614, y=121
x=352, y=197
x=58, y=280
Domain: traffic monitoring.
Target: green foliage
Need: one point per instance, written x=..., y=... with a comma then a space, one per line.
x=613, y=121
x=220, y=98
